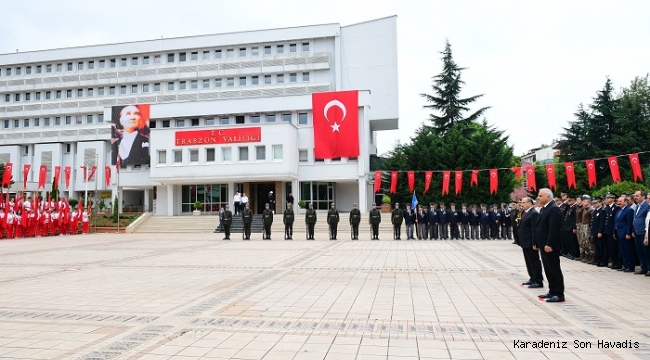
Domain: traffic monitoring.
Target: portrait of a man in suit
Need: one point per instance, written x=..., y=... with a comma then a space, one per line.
x=130, y=134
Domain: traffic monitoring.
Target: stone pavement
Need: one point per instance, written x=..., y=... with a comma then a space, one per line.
x=166, y=296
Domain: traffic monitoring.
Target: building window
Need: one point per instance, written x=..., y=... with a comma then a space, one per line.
x=255, y=80
x=178, y=156
x=17, y=97
x=305, y=47
x=28, y=97
x=28, y=70
x=48, y=95
x=239, y=119
x=57, y=120
x=156, y=59
x=209, y=154
x=180, y=123
x=25, y=122
x=19, y=70
x=170, y=58
x=166, y=123
x=156, y=87
x=8, y=71
x=182, y=85
x=303, y=155
x=100, y=118
x=279, y=49
x=48, y=68
x=7, y=97
x=182, y=57
x=242, y=52
x=46, y=121
x=145, y=60
x=286, y=117
x=78, y=119
x=90, y=92
x=102, y=64
x=206, y=55
x=217, y=83
x=170, y=85
x=226, y=154
x=260, y=152
x=162, y=156
x=152, y=124
x=59, y=68
x=69, y=66
x=279, y=78
x=80, y=93
x=194, y=55
x=134, y=89
x=194, y=84
x=145, y=88
x=194, y=122
x=6, y=124
x=89, y=119
x=293, y=48
x=206, y=83
x=123, y=62
x=231, y=81
x=267, y=50
x=302, y=119
x=123, y=90
x=134, y=61
x=111, y=90
x=112, y=63
x=225, y=121
x=267, y=79
x=230, y=53
x=68, y=120
x=270, y=118
x=39, y=69
x=217, y=54
x=255, y=119
x=80, y=65
x=194, y=155
x=16, y=123
x=320, y=194
x=68, y=93
x=293, y=77
x=91, y=65
x=209, y=121
x=305, y=76
x=37, y=122
x=243, y=153
x=58, y=94
x=242, y=81
x=277, y=152
x=255, y=51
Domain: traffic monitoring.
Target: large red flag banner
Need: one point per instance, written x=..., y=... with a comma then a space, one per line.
x=636, y=167
x=92, y=172
x=591, y=172
x=393, y=182
x=530, y=178
x=445, y=182
x=474, y=180
x=494, y=181
x=459, y=182
x=411, y=179
x=42, y=171
x=68, y=172
x=570, y=174
x=336, y=124
x=428, y=175
x=57, y=175
x=377, y=180
x=107, y=175
x=550, y=174
x=26, y=169
x=613, y=167
x=517, y=171
x=6, y=177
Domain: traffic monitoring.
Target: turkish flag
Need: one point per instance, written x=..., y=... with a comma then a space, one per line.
x=474, y=180
x=591, y=172
x=6, y=177
x=377, y=180
x=393, y=182
x=517, y=171
x=57, y=175
x=85, y=169
x=42, y=171
x=445, y=182
x=459, y=181
x=530, y=178
x=26, y=169
x=613, y=167
x=336, y=124
x=118, y=163
x=636, y=167
x=570, y=174
x=427, y=180
x=550, y=174
x=411, y=179
x=68, y=172
x=92, y=172
x=494, y=181
x=107, y=175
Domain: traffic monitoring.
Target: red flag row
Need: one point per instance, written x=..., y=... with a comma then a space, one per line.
x=529, y=171
x=6, y=178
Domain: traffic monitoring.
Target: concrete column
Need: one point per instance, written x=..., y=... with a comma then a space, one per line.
x=170, y=200
x=295, y=189
x=279, y=197
x=231, y=194
x=147, y=200
x=363, y=195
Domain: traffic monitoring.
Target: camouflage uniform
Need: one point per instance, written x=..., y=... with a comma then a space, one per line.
x=580, y=232
x=588, y=244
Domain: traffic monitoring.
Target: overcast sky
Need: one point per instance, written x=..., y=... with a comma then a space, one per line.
x=535, y=61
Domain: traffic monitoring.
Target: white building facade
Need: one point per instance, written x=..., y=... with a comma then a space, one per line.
x=55, y=109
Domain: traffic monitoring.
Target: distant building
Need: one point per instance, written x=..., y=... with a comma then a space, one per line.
x=544, y=154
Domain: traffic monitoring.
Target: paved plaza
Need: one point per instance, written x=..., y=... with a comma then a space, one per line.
x=171, y=296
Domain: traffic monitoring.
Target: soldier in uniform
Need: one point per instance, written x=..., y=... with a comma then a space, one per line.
x=583, y=229
x=287, y=219
x=597, y=244
x=333, y=220
x=422, y=220
x=454, y=219
x=442, y=222
x=396, y=218
x=247, y=220
x=310, y=221
x=485, y=222
x=474, y=222
x=375, y=219
x=267, y=220
x=355, y=219
x=607, y=231
x=515, y=219
x=227, y=221
x=465, y=221
x=432, y=220
x=409, y=221
x=569, y=228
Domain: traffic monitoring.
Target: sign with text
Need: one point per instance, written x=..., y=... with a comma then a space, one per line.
x=218, y=136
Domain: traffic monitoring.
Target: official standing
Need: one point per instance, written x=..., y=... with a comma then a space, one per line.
x=310, y=221
x=569, y=227
x=526, y=239
x=442, y=222
x=485, y=222
x=597, y=241
x=247, y=220
x=465, y=222
x=409, y=221
x=432, y=220
x=267, y=221
x=333, y=220
x=237, y=202
x=547, y=240
x=375, y=219
x=453, y=218
x=227, y=221
x=272, y=202
x=515, y=218
x=287, y=219
x=396, y=219
x=506, y=223
x=640, y=213
x=422, y=220
x=624, y=223
x=474, y=223
x=355, y=219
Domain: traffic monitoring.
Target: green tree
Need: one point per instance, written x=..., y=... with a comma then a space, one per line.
x=446, y=96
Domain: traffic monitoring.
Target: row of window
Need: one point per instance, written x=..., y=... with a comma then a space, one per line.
x=251, y=80
x=53, y=121
x=226, y=154
x=242, y=52
x=303, y=119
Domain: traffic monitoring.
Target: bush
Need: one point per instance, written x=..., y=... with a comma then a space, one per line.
x=101, y=205
x=385, y=199
x=73, y=203
x=116, y=208
x=198, y=205
x=302, y=204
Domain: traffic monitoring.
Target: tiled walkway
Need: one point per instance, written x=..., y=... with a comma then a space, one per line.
x=164, y=296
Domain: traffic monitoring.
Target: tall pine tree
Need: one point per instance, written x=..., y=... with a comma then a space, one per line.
x=446, y=96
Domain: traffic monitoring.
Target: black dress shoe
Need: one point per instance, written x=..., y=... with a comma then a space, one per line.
x=628, y=270
x=545, y=296
x=536, y=286
x=620, y=269
x=555, y=298
x=528, y=283
x=616, y=268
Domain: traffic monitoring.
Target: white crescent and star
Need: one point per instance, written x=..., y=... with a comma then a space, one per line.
x=338, y=104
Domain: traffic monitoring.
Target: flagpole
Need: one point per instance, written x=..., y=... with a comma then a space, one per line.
x=96, y=176
x=118, y=198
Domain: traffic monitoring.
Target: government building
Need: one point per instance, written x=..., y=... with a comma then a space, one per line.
x=226, y=113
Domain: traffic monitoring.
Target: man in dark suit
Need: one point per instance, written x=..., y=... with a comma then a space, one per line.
x=432, y=220
x=624, y=221
x=453, y=218
x=597, y=219
x=547, y=240
x=442, y=221
x=527, y=227
x=607, y=231
x=569, y=228
x=640, y=213
x=485, y=222
x=475, y=220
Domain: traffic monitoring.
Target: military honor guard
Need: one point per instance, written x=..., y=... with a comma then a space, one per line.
x=310, y=221
x=287, y=219
x=396, y=218
x=375, y=219
x=333, y=220
x=247, y=221
x=607, y=231
x=355, y=219
x=227, y=222
x=267, y=221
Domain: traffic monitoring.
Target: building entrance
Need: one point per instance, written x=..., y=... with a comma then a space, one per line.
x=259, y=196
